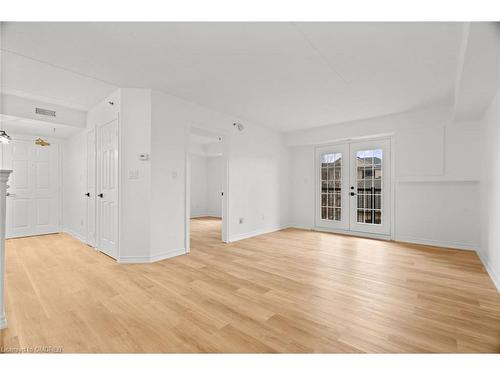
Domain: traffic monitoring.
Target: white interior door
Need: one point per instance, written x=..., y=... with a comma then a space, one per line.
x=353, y=187
x=107, y=188
x=34, y=193
x=91, y=188
x=332, y=174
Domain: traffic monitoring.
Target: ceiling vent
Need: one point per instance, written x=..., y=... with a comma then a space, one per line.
x=45, y=112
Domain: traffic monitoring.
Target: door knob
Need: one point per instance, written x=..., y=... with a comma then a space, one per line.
x=87, y=194
x=100, y=195
x=353, y=193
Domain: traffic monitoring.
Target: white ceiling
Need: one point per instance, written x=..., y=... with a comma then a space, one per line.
x=32, y=79
x=284, y=75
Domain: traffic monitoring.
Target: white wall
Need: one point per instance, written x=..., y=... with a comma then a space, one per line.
x=74, y=183
x=135, y=194
x=206, y=185
x=214, y=185
x=199, y=188
x=490, y=188
x=435, y=168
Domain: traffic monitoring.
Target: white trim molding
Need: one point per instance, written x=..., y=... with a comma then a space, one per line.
x=373, y=236
x=206, y=214
x=152, y=258
x=493, y=276
x=258, y=232
x=72, y=233
x=412, y=240
x=443, y=244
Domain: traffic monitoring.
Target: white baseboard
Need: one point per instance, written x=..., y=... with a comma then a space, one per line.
x=258, y=232
x=74, y=234
x=446, y=244
x=342, y=232
x=168, y=254
x=205, y=214
x=3, y=322
x=152, y=258
x=301, y=226
x=374, y=236
x=493, y=276
x=414, y=240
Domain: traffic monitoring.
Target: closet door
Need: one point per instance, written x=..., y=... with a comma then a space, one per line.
x=107, y=188
x=34, y=192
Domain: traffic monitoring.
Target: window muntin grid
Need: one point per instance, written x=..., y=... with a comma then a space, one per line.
x=331, y=186
x=369, y=186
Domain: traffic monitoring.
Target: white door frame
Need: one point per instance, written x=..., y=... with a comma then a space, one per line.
x=92, y=241
x=225, y=187
x=391, y=198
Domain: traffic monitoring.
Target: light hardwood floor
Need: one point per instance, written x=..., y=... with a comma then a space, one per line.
x=288, y=291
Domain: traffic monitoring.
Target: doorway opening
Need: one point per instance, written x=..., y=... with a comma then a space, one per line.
x=206, y=187
x=353, y=187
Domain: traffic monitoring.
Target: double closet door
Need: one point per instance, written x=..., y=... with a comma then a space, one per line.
x=353, y=187
x=102, y=188
x=33, y=199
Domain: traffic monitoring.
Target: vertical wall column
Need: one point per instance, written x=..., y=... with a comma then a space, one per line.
x=4, y=177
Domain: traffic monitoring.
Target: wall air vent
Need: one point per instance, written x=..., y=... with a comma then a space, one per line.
x=45, y=112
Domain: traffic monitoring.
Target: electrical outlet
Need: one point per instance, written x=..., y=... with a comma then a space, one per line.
x=241, y=220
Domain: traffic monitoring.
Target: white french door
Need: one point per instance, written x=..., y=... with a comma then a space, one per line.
x=332, y=200
x=353, y=187
x=33, y=194
x=107, y=188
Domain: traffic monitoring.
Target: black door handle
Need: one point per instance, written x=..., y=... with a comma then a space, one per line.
x=100, y=195
x=353, y=193
x=87, y=194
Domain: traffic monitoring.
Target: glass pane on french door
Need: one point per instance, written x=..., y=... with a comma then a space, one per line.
x=369, y=186
x=331, y=186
